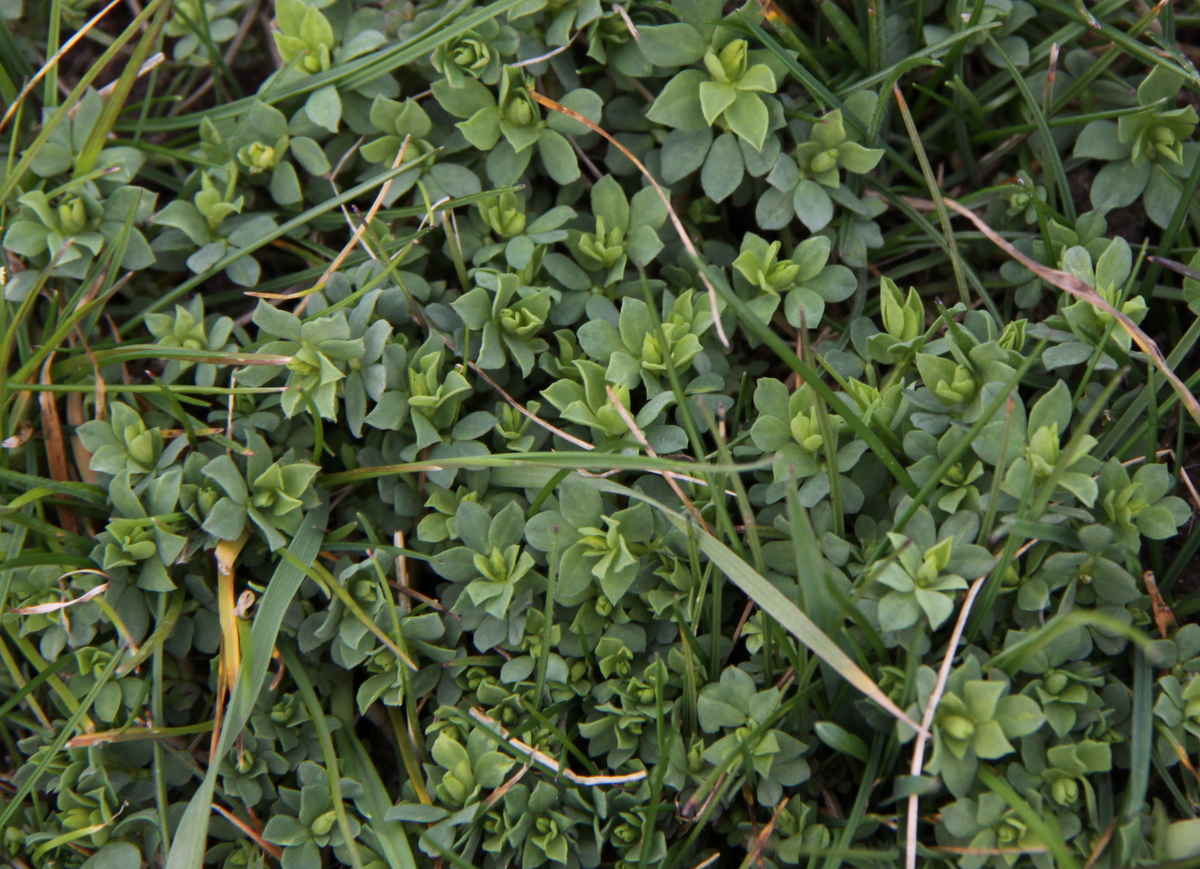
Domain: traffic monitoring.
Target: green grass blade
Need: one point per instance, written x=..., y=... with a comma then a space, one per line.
x=1046, y=826
x=283, y=229
x=33, y=684
x=936, y=194
x=18, y=172
x=1141, y=737
x=1137, y=408
x=191, y=836
x=353, y=74
x=60, y=740
x=594, y=461
x=1049, y=148
x=771, y=600
x=393, y=841
x=317, y=715
x=114, y=103
x=810, y=376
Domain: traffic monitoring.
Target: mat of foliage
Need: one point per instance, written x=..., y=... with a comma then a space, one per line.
x=556, y=433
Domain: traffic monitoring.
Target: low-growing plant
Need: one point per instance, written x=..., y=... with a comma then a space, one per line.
x=546, y=433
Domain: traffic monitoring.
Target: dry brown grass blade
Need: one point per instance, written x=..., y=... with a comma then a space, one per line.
x=747, y=611
x=75, y=414
x=545, y=760
x=1164, y=616
x=83, y=459
x=629, y=25
x=54, y=59
x=662, y=194
x=640, y=437
x=524, y=411
x=755, y=853
x=130, y=734
x=277, y=657
x=986, y=852
x=106, y=91
x=56, y=447
x=918, y=755
x=694, y=807
x=498, y=794
x=1077, y=288
x=350, y=245
x=41, y=608
x=101, y=391
x=1180, y=751
x=1101, y=844
x=404, y=604
x=708, y=861
x=273, y=850
x=231, y=659
x=24, y=432
x=1186, y=477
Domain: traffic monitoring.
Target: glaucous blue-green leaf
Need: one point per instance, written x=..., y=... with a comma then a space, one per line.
x=324, y=107
x=723, y=168
x=671, y=45
x=812, y=205
x=1119, y=184
x=684, y=151
x=1099, y=141
x=678, y=105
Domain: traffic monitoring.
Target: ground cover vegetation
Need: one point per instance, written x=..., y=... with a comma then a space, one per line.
x=551, y=433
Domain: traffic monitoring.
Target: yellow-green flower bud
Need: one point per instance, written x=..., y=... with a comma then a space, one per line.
x=1013, y=336
x=960, y=388
x=492, y=566
x=652, y=352
x=1065, y=791
x=1056, y=682
x=627, y=834
x=1043, y=449
x=520, y=113
x=281, y=712
x=324, y=823
x=471, y=54
x=72, y=215
x=902, y=317
x=824, y=161
x=1157, y=134
x=521, y=322
x=934, y=563
x=958, y=727
x=606, y=246
x=519, y=109
x=806, y=430
x=258, y=158
x=728, y=65
x=504, y=215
